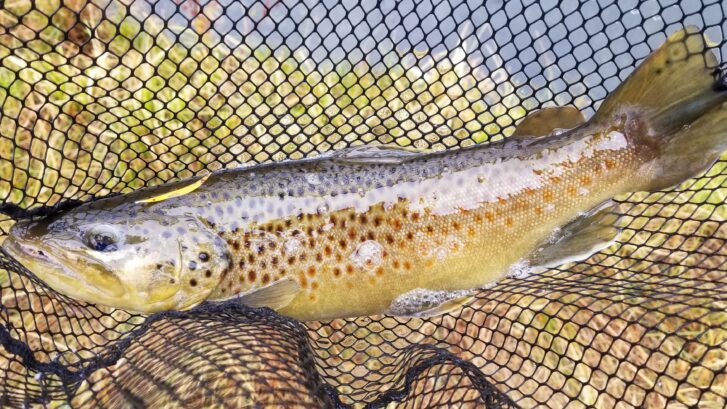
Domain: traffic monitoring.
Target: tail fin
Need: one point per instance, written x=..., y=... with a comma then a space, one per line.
x=679, y=93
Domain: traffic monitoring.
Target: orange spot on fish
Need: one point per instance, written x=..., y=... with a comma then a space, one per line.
x=538, y=210
x=490, y=217
x=302, y=280
x=547, y=196
x=311, y=271
x=501, y=200
x=585, y=180
x=407, y=265
x=508, y=222
x=470, y=232
x=610, y=164
x=555, y=179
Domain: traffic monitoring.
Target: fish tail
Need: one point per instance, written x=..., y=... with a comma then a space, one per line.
x=677, y=96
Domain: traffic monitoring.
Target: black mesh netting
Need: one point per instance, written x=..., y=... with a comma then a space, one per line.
x=105, y=96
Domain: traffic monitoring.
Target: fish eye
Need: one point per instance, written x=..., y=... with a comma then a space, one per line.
x=102, y=238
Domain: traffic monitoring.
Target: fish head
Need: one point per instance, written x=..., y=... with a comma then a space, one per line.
x=143, y=262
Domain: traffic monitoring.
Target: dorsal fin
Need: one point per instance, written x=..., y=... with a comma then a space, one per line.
x=544, y=121
x=375, y=154
x=175, y=190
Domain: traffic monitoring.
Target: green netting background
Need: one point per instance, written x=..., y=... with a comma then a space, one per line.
x=106, y=96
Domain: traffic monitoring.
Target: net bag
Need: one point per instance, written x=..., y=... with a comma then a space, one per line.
x=100, y=97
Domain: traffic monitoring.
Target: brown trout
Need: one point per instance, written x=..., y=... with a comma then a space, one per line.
x=384, y=230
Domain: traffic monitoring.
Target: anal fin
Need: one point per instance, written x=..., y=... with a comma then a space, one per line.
x=423, y=303
x=579, y=239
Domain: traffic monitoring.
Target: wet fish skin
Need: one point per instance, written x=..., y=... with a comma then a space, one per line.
x=356, y=230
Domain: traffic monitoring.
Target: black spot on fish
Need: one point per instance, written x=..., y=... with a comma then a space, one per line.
x=192, y=265
x=204, y=256
x=193, y=282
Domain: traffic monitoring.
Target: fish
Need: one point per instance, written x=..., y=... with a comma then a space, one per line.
x=387, y=230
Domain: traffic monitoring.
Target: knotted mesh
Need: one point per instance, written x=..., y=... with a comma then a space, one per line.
x=99, y=97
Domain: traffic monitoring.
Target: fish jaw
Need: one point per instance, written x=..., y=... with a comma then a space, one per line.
x=102, y=289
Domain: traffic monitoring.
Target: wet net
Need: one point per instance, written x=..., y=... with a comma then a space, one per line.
x=106, y=96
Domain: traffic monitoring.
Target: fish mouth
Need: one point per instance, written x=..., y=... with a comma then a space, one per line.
x=59, y=274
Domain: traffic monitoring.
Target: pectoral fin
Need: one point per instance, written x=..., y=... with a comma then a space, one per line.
x=579, y=239
x=276, y=295
x=545, y=121
x=428, y=303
